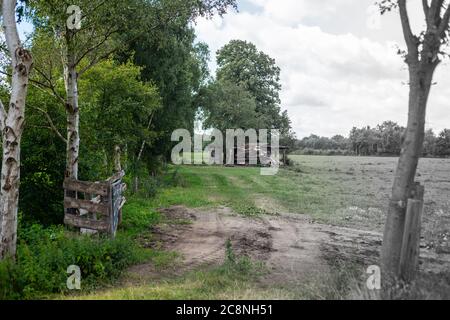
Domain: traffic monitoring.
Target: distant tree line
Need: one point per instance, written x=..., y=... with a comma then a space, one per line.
x=383, y=140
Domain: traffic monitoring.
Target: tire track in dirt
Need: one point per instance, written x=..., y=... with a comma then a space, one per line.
x=296, y=251
x=293, y=247
x=204, y=243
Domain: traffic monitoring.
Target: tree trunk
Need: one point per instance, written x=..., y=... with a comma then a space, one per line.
x=12, y=123
x=73, y=120
x=141, y=152
x=420, y=84
x=117, y=159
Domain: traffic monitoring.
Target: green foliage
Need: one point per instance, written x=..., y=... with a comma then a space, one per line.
x=9, y=277
x=117, y=110
x=241, y=63
x=231, y=280
x=43, y=256
x=171, y=60
x=41, y=197
x=43, y=162
x=116, y=107
x=228, y=106
x=102, y=25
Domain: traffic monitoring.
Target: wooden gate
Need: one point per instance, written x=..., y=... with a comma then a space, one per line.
x=94, y=205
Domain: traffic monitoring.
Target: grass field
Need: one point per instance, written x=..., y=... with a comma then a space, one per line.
x=363, y=186
x=344, y=191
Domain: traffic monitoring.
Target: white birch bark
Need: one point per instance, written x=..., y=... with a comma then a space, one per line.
x=72, y=112
x=11, y=125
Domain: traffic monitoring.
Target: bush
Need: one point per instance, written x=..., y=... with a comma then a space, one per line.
x=43, y=256
x=148, y=187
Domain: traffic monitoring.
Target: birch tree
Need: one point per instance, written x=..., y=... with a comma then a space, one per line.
x=101, y=32
x=11, y=125
x=423, y=54
x=85, y=33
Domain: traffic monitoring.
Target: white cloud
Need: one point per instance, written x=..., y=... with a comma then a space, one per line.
x=336, y=72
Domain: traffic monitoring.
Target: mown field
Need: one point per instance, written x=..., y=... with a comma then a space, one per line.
x=360, y=189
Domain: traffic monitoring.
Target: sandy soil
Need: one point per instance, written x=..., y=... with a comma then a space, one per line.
x=292, y=247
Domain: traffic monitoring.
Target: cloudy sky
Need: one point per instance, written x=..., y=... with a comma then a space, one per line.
x=338, y=61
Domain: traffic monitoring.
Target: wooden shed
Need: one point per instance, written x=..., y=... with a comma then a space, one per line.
x=258, y=154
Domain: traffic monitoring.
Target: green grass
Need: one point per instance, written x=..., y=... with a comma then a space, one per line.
x=249, y=194
x=329, y=193
x=235, y=279
x=247, y=191
x=219, y=283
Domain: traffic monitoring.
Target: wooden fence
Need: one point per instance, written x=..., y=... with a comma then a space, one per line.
x=94, y=205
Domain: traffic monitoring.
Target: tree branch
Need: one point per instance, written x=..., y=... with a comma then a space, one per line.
x=51, y=124
x=42, y=86
x=96, y=60
x=434, y=13
x=149, y=29
x=94, y=9
x=10, y=28
x=426, y=10
x=97, y=45
x=144, y=142
x=410, y=39
x=444, y=23
x=45, y=88
x=50, y=85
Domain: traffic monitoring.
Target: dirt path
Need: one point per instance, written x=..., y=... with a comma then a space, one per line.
x=292, y=247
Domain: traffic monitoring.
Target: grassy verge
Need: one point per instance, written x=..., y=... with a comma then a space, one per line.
x=235, y=279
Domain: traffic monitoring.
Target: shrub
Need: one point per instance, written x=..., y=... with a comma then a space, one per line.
x=148, y=187
x=43, y=256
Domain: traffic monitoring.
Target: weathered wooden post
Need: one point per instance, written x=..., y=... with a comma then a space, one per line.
x=102, y=213
x=409, y=259
x=116, y=201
